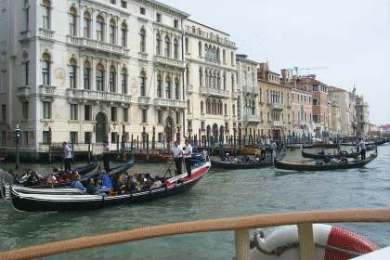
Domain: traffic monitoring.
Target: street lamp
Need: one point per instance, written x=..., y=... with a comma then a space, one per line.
x=17, y=139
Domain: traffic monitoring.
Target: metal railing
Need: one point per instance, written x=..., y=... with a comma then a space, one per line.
x=240, y=226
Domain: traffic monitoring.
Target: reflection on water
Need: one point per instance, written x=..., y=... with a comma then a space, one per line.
x=220, y=194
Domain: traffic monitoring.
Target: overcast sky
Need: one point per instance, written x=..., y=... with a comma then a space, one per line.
x=351, y=38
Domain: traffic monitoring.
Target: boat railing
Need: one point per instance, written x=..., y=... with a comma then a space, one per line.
x=239, y=225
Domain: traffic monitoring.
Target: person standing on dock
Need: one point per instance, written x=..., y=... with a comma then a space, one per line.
x=187, y=154
x=274, y=148
x=67, y=156
x=177, y=153
x=363, y=149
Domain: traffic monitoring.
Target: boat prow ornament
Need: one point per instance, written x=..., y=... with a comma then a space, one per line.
x=331, y=243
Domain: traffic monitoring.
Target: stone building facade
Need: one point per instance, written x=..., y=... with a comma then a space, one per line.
x=248, y=96
x=91, y=71
x=211, y=75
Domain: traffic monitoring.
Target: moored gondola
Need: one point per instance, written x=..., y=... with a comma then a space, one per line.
x=314, y=166
x=324, y=156
x=240, y=163
x=46, y=202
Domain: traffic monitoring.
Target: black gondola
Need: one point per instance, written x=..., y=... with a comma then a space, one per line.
x=45, y=202
x=324, y=167
x=70, y=191
x=239, y=164
x=86, y=172
x=329, y=156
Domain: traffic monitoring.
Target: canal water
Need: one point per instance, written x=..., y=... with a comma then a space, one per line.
x=219, y=194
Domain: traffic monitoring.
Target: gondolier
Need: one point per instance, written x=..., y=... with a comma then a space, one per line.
x=187, y=154
x=363, y=149
x=274, y=148
x=177, y=153
x=67, y=156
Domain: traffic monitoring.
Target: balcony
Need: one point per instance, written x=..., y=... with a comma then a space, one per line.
x=252, y=118
x=46, y=34
x=144, y=101
x=165, y=61
x=162, y=102
x=276, y=106
x=47, y=92
x=250, y=90
x=23, y=92
x=97, y=45
x=277, y=124
x=92, y=95
x=215, y=92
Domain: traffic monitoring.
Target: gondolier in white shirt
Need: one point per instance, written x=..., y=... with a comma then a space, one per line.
x=187, y=154
x=177, y=153
x=67, y=156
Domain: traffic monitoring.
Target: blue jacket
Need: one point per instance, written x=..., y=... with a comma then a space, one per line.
x=77, y=185
x=106, y=182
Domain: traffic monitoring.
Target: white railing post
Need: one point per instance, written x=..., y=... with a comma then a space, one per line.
x=306, y=241
x=241, y=237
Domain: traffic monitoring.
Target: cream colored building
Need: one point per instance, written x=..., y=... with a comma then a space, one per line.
x=274, y=104
x=248, y=96
x=90, y=71
x=211, y=79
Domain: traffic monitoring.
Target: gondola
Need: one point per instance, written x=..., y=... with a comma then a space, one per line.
x=85, y=172
x=241, y=164
x=294, y=166
x=329, y=156
x=45, y=202
x=70, y=191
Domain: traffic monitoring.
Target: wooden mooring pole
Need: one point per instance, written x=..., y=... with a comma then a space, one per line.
x=241, y=238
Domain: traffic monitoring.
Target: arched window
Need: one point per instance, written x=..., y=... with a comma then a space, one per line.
x=87, y=25
x=46, y=14
x=100, y=75
x=72, y=73
x=142, y=83
x=168, y=89
x=177, y=88
x=124, y=34
x=233, y=83
x=188, y=106
x=253, y=107
x=100, y=28
x=167, y=46
x=188, y=75
x=73, y=21
x=158, y=44
x=112, y=31
x=112, y=79
x=46, y=69
x=214, y=107
x=159, y=86
x=201, y=77
x=224, y=80
x=201, y=107
x=87, y=75
x=219, y=80
x=208, y=106
x=125, y=77
x=200, y=49
x=206, y=78
x=176, y=49
x=142, y=35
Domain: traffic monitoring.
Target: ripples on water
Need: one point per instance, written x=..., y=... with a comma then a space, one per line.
x=219, y=194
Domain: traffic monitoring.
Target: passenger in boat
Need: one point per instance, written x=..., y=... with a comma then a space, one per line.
x=51, y=180
x=157, y=183
x=76, y=184
x=67, y=156
x=91, y=187
x=132, y=184
x=187, y=154
x=177, y=153
x=106, y=181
